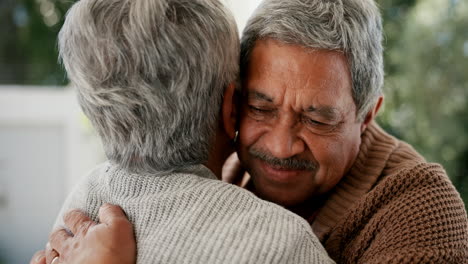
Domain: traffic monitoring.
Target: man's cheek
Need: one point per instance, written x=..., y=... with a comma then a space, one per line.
x=251, y=133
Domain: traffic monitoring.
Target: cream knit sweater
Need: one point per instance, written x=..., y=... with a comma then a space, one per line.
x=190, y=217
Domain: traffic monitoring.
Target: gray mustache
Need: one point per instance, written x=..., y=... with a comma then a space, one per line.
x=289, y=163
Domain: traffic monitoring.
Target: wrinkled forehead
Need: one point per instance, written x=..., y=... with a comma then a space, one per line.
x=316, y=77
x=296, y=60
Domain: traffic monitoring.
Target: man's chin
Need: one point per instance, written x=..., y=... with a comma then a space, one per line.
x=280, y=197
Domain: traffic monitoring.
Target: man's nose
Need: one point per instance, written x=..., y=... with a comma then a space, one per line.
x=283, y=142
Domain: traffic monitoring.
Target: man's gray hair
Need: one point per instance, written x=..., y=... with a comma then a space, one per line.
x=151, y=75
x=350, y=26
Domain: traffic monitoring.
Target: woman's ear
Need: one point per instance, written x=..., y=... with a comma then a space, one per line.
x=229, y=110
x=372, y=114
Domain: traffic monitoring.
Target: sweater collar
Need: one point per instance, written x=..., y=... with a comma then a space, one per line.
x=375, y=149
x=197, y=169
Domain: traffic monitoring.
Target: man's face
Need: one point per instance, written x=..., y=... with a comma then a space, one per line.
x=298, y=132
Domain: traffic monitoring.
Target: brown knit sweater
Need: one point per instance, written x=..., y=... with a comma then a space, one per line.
x=393, y=207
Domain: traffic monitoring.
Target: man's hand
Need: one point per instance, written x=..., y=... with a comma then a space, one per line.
x=110, y=241
x=233, y=172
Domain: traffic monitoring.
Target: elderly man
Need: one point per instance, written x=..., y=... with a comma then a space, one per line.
x=312, y=77
x=156, y=78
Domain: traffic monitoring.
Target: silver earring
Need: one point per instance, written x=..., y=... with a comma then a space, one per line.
x=235, y=137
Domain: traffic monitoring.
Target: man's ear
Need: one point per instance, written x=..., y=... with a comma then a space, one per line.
x=372, y=114
x=229, y=111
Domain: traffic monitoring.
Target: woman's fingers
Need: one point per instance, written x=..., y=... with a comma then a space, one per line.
x=50, y=254
x=38, y=258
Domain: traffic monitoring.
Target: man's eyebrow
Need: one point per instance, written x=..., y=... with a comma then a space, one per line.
x=259, y=96
x=328, y=112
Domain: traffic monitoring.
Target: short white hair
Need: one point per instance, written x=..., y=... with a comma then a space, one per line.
x=353, y=27
x=150, y=76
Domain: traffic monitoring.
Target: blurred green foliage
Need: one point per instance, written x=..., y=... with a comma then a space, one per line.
x=28, y=53
x=426, y=85
x=426, y=62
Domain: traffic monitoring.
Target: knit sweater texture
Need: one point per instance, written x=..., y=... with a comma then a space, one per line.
x=191, y=217
x=393, y=207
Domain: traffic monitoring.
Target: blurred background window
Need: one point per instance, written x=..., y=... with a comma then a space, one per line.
x=46, y=143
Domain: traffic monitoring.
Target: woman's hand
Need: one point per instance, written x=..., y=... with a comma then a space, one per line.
x=85, y=241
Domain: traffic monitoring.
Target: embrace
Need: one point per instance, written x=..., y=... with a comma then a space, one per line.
x=173, y=93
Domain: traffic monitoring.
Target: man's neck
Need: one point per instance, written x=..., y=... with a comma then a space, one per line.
x=308, y=209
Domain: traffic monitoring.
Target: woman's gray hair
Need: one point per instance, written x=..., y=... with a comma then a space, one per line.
x=151, y=75
x=350, y=26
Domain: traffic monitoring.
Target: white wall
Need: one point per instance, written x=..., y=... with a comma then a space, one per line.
x=242, y=9
x=45, y=147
